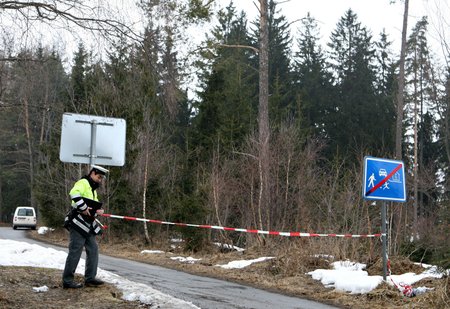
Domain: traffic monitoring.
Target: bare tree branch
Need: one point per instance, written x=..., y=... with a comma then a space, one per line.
x=256, y=50
x=75, y=12
x=18, y=59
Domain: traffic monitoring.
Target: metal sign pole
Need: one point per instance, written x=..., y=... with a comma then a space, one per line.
x=384, y=238
x=384, y=180
x=92, y=153
x=93, y=141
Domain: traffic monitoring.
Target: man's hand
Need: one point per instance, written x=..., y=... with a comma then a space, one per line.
x=100, y=212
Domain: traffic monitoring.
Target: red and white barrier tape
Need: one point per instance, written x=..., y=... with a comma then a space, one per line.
x=406, y=289
x=288, y=234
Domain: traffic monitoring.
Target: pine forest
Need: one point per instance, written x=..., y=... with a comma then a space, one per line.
x=272, y=136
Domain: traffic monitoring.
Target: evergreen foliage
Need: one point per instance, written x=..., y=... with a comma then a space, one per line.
x=195, y=159
x=313, y=83
x=226, y=109
x=358, y=108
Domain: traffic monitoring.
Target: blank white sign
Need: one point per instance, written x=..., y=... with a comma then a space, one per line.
x=76, y=132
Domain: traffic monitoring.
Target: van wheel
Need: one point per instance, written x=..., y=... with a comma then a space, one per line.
x=14, y=227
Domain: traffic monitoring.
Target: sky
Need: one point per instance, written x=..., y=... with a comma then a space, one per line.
x=344, y=276
x=376, y=15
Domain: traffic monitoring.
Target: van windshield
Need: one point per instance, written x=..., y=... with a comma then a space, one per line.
x=25, y=212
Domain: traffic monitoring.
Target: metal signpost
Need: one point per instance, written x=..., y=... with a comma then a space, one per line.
x=384, y=180
x=83, y=135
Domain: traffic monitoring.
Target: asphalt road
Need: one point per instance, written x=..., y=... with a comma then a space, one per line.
x=203, y=292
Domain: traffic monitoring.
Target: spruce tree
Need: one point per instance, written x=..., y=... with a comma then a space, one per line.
x=77, y=77
x=358, y=122
x=313, y=83
x=226, y=107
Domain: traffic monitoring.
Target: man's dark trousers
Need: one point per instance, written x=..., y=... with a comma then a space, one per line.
x=76, y=244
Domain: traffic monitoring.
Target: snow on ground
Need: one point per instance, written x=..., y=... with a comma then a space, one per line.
x=16, y=253
x=351, y=277
x=243, y=263
x=182, y=259
x=151, y=251
x=229, y=247
x=345, y=275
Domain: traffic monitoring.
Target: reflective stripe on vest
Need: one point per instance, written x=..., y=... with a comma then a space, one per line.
x=79, y=222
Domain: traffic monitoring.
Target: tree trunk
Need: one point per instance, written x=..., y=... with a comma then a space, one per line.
x=26, y=124
x=1, y=198
x=401, y=87
x=263, y=113
x=144, y=194
x=416, y=162
x=399, y=124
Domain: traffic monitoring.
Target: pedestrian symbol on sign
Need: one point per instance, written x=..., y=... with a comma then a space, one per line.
x=371, y=181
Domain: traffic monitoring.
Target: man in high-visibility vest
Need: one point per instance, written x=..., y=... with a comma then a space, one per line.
x=83, y=228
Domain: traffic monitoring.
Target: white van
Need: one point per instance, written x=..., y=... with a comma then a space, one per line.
x=24, y=217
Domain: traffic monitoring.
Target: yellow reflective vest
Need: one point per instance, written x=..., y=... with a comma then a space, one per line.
x=85, y=225
x=82, y=189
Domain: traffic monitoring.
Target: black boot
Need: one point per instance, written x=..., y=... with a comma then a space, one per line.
x=93, y=282
x=72, y=285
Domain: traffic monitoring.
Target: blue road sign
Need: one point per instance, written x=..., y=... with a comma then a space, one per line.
x=384, y=179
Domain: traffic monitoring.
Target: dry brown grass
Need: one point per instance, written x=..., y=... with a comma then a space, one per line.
x=17, y=284
x=285, y=274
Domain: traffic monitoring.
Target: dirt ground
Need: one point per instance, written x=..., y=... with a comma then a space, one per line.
x=280, y=275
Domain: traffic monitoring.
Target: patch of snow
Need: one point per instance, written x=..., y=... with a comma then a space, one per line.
x=151, y=251
x=227, y=246
x=188, y=260
x=243, y=263
x=348, y=265
x=324, y=256
x=40, y=289
x=44, y=230
x=350, y=277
